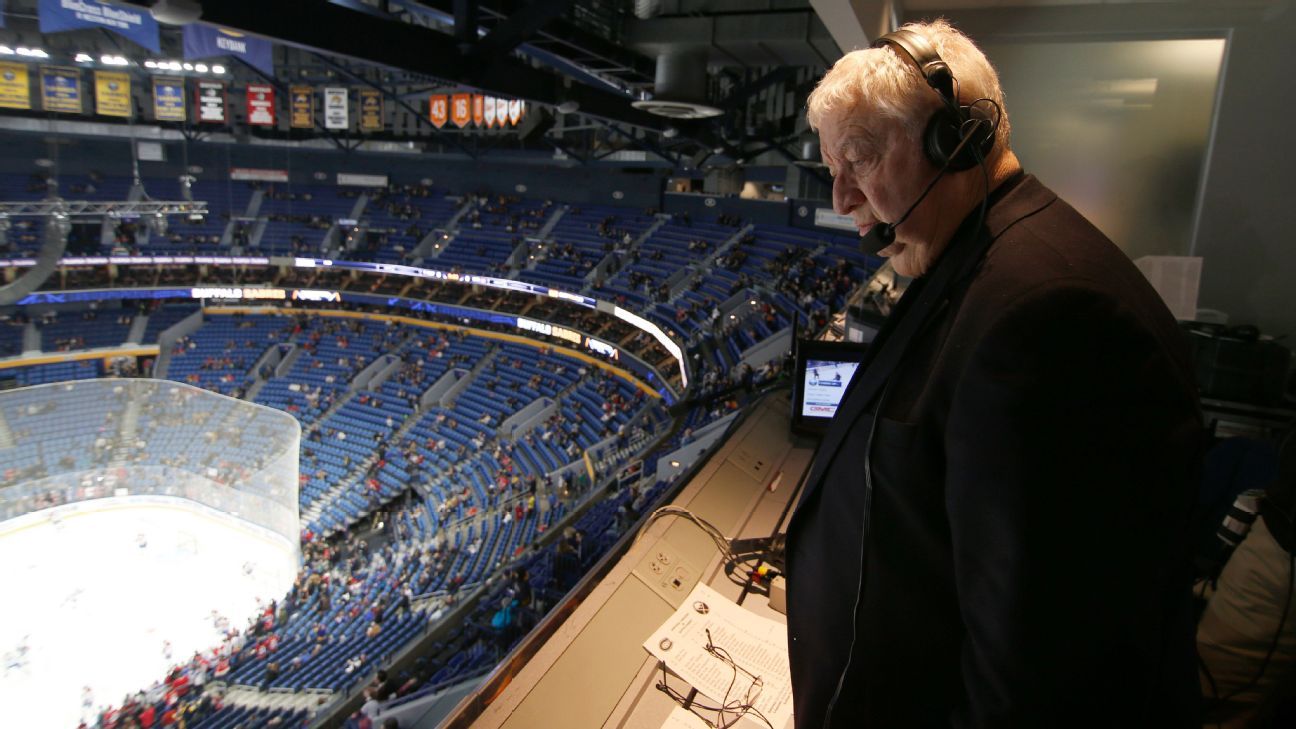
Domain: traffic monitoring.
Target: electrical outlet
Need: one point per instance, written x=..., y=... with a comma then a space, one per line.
x=666, y=572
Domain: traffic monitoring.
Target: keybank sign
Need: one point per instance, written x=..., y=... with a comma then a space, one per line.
x=231, y=44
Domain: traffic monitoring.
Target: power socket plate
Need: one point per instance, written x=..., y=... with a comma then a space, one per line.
x=667, y=573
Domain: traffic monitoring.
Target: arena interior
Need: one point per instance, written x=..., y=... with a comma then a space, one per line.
x=516, y=271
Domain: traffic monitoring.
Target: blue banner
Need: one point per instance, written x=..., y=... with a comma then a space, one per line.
x=134, y=24
x=205, y=41
x=2, y=9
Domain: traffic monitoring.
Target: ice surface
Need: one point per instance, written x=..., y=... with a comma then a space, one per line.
x=92, y=591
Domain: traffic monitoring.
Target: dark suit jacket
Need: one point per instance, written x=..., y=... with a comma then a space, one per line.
x=1028, y=557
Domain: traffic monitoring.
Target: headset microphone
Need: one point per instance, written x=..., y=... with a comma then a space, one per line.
x=882, y=235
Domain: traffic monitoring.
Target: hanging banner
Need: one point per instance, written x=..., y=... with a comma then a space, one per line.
x=514, y=111
x=134, y=24
x=437, y=110
x=479, y=109
x=303, y=107
x=112, y=93
x=15, y=87
x=2, y=19
x=461, y=109
x=205, y=41
x=260, y=105
x=61, y=89
x=168, y=99
x=371, y=110
x=488, y=112
x=211, y=102
x=336, y=114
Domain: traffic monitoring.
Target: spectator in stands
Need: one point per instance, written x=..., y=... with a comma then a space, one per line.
x=966, y=482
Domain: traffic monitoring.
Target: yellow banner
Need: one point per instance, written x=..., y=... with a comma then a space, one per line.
x=303, y=107
x=371, y=110
x=15, y=88
x=112, y=93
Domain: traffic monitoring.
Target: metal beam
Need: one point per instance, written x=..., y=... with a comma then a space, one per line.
x=855, y=23
x=518, y=27
x=100, y=208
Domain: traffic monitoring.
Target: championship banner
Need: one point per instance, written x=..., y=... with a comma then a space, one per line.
x=168, y=99
x=112, y=93
x=371, y=110
x=61, y=89
x=134, y=24
x=479, y=109
x=303, y=107
x=336, y=114
x=211, y=102
x=260, y=105
x=15, y=87
x=514, y=111
x=437, y=110
x=205, y=41
x=461, y=109
x=489, y=113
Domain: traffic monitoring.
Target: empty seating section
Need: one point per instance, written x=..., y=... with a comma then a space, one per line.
x=221, y=354
x=580, y=239
x=397, y=221
x=11, y=338
x=46, y=424
x=165, y=317
x=55, y=372
x=74, y=330
x=642, y=279
x=488, y=234
x=301, y=213
x=224, y=198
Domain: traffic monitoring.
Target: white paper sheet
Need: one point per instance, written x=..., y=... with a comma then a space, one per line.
x=756, y=644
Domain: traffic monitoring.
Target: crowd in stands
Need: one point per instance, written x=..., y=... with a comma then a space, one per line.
x=476, y=510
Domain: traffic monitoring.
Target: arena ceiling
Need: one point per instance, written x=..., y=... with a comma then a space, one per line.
x=745, y=66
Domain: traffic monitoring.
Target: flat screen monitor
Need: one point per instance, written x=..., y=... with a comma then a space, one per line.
x=824, y=370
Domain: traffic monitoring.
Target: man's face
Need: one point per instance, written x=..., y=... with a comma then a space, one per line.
x=878, y=171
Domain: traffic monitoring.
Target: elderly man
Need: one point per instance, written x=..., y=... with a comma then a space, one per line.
x=1006, y=543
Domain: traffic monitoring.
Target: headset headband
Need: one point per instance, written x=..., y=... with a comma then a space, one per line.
x=924, y=57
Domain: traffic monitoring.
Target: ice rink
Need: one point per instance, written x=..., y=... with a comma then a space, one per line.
x=92, y=591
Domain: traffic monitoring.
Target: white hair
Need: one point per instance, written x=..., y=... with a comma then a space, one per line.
x=885, y=82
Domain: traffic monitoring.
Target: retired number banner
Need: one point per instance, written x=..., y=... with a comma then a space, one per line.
x=61, y=89
x=211, y=102
x=489, y=113
x=303, y=107
x=112, y=93
x=371, y=110
x=461, y=109
x=336, y=114
x=168, y=99
x=437, y=110
x=479, y=109
x=260, y=105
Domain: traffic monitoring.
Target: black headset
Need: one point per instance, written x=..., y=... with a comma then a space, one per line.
x=948, y=126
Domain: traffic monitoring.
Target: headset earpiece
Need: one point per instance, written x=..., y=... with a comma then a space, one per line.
x=946, y=129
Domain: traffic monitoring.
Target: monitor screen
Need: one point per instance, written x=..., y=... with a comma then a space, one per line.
x=824, y=385
x=824, y=371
